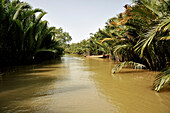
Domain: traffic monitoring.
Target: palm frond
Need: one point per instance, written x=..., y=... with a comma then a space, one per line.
x=150, y=5
x=161, y=79
x=39, y=17
x=47, y=50
x=18, y=10
x=165, y=38
x=147, y=43
x=122, y=46
x=115, y=68
x=128, y=63
x=108, y=39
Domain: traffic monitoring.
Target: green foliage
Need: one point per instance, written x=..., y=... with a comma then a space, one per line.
x=161, y=79
x=24, y=34
x=128, y=64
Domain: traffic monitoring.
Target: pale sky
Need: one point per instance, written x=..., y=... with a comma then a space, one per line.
x=79, y=17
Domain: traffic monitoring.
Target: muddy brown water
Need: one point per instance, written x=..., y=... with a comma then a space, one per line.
x=80, y=85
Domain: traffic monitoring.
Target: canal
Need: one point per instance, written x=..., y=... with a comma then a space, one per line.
x=80, y=85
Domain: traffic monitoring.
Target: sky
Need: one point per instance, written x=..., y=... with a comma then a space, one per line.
x=79, y=17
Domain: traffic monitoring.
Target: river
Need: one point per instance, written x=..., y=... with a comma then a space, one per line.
x=80, y=85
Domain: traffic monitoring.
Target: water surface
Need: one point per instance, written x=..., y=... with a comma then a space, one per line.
x=80, y=85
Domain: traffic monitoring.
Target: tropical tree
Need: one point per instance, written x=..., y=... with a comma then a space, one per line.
x=24, y=34
x=152, y=39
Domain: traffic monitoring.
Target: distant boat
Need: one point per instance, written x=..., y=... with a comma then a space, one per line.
x=97, y=56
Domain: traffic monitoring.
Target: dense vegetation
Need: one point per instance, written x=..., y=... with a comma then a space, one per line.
x=138, y=37
x=25, y=37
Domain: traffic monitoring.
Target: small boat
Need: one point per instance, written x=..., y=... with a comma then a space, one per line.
x=96, y=56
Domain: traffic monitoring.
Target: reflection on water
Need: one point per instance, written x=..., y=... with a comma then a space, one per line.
x=80, y=85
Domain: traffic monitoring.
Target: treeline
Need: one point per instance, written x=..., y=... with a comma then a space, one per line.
x=26, y=38
x=140, y=36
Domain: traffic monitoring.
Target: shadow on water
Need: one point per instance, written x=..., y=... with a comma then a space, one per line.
x=24, y=67
x=26, y=77
x=131, y=71
x=63, y=90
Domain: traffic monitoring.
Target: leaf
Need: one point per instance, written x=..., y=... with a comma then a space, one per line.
x=18, y=10
x=128, y=63
x=107, y=39
x=47, y=50
x=161, y=79
x=121, y=46
x=147, y=43
x=165, y=38
x=115, y=68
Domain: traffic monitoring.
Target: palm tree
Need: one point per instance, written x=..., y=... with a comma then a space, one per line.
x=23, y=34
x=152, y=39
